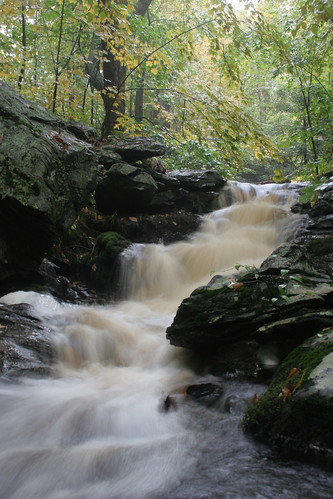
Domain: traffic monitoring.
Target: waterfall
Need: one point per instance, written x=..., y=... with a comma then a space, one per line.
x=96, y=429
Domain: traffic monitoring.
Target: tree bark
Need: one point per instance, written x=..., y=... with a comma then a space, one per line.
x=138, y=113
x=112, y=82
x=113, y=94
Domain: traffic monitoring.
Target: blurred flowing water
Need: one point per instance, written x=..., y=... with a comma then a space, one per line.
x=96, y=430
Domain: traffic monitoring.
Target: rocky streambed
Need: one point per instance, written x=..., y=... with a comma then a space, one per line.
x=65, y=221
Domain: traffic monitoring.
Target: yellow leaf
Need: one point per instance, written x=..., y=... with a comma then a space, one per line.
x=154, y=71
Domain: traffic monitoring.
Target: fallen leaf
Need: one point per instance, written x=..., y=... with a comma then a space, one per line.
x=133, y=219
x=174, y=223
x=237, y=285
x=58, y=139
x=286, y=392
x=255, y=399
x=292, y=372
x=94, y=267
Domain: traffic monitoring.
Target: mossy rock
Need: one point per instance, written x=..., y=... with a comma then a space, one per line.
x=110, y=244
x=296, y=411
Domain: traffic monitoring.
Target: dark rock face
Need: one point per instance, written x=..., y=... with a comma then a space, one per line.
x=158, y=228
x=25, y=345
x=47, y=175
x=136, y=189
x=126, y=188
x=203, y=181
x=217, y=315
x=296, y=412
x=195, y=191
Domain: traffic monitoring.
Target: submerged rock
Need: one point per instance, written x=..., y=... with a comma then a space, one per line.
x=206, y=394
x=296, y=412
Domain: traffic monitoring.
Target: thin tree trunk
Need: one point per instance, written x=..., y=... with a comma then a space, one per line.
x=262, y=105
x=57, y=62
x=24, y=46
x=307, y=105
x=138, y=114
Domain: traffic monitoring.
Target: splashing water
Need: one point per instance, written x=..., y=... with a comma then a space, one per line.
x=96, y=430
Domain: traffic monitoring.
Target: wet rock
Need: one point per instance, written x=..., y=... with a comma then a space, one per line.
x=26, y=347
x=125, y=188
x=194, y=202
x=134, y=149
x=195, y=192
x=159, y=228
x=107, y=156
x=206, y=394
x=82, y=131
x=199, y=180
x=168, y=404
x=46, y=176
x=296, y=412
x=154, y=164
x=218, y=314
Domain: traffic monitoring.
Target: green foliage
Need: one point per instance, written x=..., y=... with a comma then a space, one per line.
x=310, y=193
x=195, y=155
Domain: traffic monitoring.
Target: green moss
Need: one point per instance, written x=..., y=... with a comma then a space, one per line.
x=286, y=408
x=111, y=244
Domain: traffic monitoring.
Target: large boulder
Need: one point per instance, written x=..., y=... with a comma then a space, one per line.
x=125, y=188
x=47, y=175
x=128, y=188
x=296, y=412
x=203, y=181
x=255, y=306
x=134, y=149
x=195, y=191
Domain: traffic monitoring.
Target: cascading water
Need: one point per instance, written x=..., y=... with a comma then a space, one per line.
x=96, y=430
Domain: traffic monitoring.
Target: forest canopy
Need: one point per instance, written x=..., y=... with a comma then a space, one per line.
x=244, y=88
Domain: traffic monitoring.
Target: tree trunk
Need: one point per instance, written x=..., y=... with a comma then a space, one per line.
x=113, y=94
x=138, y=113
x=24, y=46
x=57, y=61
x=114, y=74
x=262, y=105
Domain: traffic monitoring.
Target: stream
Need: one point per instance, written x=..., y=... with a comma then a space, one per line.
x=97, y=429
